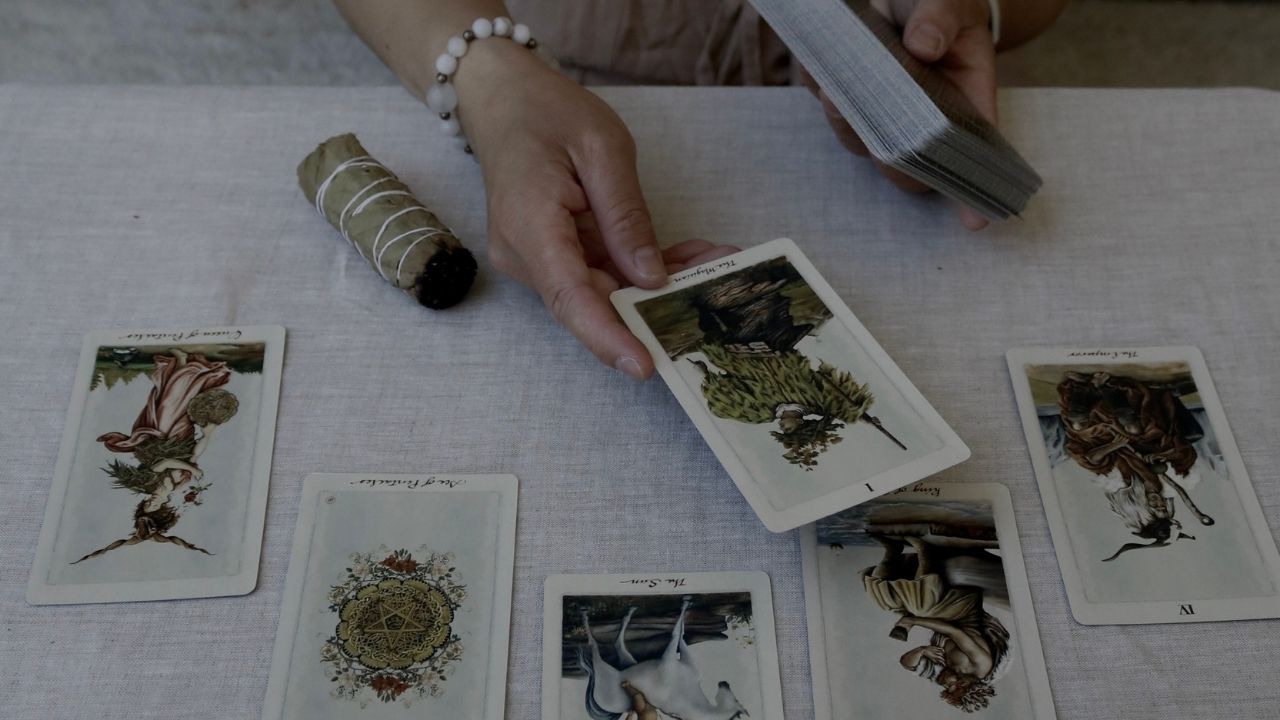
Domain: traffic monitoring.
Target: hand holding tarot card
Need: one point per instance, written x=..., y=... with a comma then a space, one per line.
x=806, y=412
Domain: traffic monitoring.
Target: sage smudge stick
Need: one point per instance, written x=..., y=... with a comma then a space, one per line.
x=380, y=217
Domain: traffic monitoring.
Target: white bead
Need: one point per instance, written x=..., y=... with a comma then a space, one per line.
x=446, y=64
x=502, y=26
x=520, y=33
x=457, y=47
x=482, y=27
x=442, y=97
x=450, y=127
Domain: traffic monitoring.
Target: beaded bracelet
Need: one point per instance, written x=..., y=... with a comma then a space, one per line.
x=443, y=97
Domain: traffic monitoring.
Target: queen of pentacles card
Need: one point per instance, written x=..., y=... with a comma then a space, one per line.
x=161, y=483
x=805, y=410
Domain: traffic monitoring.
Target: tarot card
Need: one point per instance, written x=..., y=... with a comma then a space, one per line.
x=1152, y=514
x=696, y=646
x=919, y=607
x=398, y=600
x=160, y=490
x=799, y=403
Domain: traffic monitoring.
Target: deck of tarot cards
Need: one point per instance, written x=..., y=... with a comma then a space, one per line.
x=909, y=115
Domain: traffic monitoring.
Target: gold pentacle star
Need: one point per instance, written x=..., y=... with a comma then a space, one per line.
x=394, y=624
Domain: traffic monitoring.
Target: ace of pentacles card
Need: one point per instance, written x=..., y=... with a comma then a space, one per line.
x=398, y=599
x=805, y=410
x=673, y=646
x=1152, y=514
x=160, y=488
x=919, y=607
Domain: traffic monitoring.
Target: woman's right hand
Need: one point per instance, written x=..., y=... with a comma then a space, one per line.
x=566, y=213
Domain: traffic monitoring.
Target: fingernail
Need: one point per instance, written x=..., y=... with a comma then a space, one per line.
x=930, y=39
x=648, y=262
x=629, y=366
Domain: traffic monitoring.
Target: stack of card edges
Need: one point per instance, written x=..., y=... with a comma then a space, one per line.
x=908, y=114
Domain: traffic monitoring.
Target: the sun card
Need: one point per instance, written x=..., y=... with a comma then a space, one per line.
x=804, y=409
x=160, y=489
x=660, y=647
x=918, y=606
x=398, y=599
x=1152, y=513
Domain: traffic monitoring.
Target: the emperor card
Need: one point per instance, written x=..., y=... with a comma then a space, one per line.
x=161, y=484
x=1152, y=514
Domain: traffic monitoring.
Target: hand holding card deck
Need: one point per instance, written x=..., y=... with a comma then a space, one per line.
x=909, y=115
x=805, y=410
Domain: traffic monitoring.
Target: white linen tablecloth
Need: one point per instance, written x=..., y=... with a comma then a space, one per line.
x=135, y=206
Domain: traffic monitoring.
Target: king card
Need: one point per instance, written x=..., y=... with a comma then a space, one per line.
x=806, y=412
x=696, y=646
x=161, y=484
x=398, y=599
x=1152, y=513
x=919, y=607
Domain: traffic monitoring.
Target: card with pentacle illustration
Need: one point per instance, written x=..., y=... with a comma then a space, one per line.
x=800, y=404
x=695, y=646
x=919, y=606
x=398, y=599
x=160, y=488
x=1150, y=506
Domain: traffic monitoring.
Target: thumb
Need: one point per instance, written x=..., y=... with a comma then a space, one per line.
x=934, y=24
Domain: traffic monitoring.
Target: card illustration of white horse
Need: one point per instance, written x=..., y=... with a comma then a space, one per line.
x=641, y=655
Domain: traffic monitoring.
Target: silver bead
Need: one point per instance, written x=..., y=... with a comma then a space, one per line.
x=445, y=115
x=468, y=35
x=442, y=78
x=532, y=44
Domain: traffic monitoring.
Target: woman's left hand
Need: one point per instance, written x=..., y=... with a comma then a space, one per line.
x=954, y=36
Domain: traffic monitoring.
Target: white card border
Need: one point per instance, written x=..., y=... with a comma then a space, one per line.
x=40, y=592
x=1151, y=611
x=507, y=486
x=1030, y=649
x=952, y=452
x=755, y=582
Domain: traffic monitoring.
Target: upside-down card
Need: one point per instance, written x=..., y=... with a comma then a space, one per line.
x=161, y=483
x=921, y=598
x=1152, y=514
x=398, y=600
x=694, y=646
x=804, y=409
